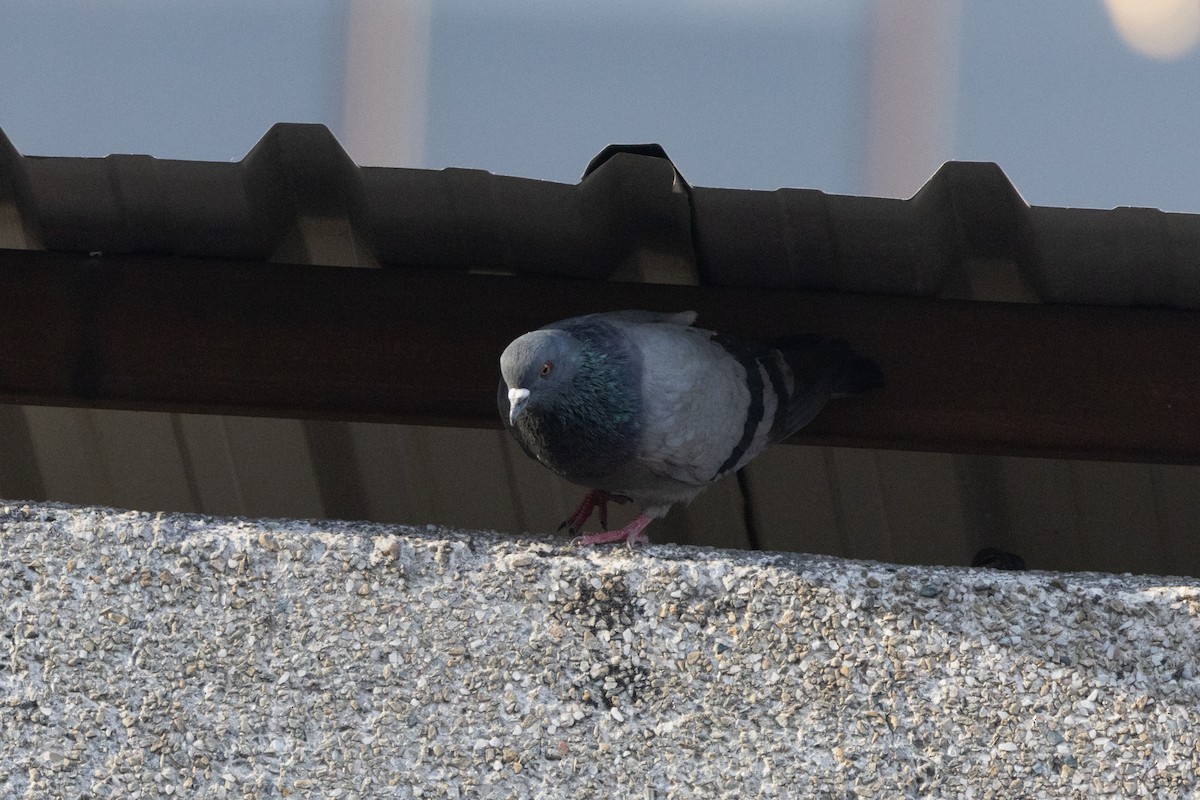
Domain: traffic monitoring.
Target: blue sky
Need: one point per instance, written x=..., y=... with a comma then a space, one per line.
x=775, y=95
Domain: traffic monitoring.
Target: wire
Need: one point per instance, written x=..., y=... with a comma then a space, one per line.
x=748, y=518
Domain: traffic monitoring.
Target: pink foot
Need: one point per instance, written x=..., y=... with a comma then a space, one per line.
x=596, y=498
x=634, y=533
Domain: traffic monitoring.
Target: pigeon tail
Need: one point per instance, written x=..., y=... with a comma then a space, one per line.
x=823, y=369
x=849, y=373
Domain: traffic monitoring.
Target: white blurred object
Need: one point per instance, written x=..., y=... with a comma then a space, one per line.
x=387, y=75
x=1163, y=29
x=914, y=85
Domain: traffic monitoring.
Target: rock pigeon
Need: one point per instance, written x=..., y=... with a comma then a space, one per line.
x=641, y=406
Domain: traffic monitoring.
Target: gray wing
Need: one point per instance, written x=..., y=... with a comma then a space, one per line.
x=705, y=412
x=713, y=403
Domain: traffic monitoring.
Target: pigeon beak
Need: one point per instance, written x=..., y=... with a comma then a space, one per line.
x=516, y=402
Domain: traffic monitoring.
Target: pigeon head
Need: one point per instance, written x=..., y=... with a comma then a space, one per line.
x=570, y=393
x=538, y=369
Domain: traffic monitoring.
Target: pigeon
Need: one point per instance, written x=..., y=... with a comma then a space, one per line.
x=643, y=407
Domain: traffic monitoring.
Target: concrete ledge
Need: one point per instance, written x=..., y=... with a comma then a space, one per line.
x=172, y=654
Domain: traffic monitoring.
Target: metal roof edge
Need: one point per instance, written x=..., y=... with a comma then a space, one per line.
x=967, y=233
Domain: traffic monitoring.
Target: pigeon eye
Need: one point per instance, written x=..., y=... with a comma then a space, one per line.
x=547, y=368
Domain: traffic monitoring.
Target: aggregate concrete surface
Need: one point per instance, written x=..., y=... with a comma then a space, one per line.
x=151, y=655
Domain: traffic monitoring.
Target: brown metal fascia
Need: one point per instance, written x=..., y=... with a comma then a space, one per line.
x=421, y=346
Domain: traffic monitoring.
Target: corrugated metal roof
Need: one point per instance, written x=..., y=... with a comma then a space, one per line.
x=631, y=211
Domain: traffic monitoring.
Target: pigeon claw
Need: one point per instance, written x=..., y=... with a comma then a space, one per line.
x=595, y=500
x=634, y=533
